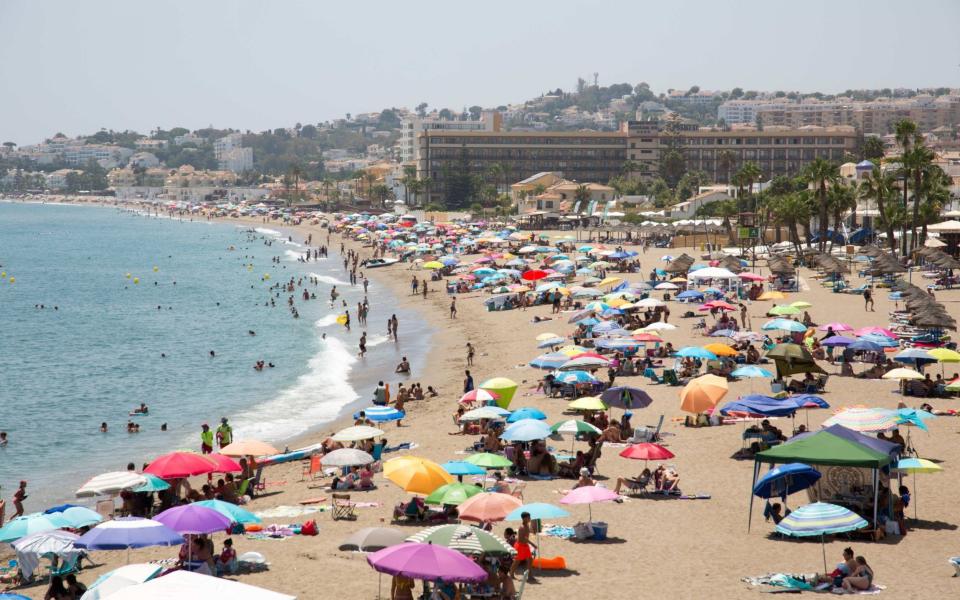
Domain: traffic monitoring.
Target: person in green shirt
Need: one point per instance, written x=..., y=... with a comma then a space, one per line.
x=206, y=440
x=224, y=433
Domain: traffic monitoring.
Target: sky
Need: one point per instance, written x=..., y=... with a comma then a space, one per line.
x=78, y=66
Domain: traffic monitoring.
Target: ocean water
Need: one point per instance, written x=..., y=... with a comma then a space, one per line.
x=202, y=287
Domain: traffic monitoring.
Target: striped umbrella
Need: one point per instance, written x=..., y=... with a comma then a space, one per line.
x=917, y=465
x=865, y=419
x=574, y=426
x=820, y=518
x=111, y=483
x=464, y=539
x=379, y=414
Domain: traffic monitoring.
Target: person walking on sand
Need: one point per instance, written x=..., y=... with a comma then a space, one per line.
x=395, y=322
x=415, y=285
x=224, y=433
x=206, y=439
x=390, y=328
x=470, y=353
x=467, y=382
x=523, y=547
x=868, y=300
x=453, y=308
x=18, y=497
x=423, y=286
x=363, y=344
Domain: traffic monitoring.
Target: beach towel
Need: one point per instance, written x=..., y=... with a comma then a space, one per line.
x=279, y=512
x=558, y=531
x=401, y=446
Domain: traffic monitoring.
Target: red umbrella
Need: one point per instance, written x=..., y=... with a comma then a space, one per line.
x=180, y=464
x=647, y=451
x=534, y=275
x=722, y=305
x=225, y=464
x=589, y=355
x=480, y=395
x=647, y=337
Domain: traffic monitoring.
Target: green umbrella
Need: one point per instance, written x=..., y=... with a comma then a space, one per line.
x=574, y=426
x=230, y=511
x=488, y=461
x=784, y=309
x=464, y=539
x=453, y=493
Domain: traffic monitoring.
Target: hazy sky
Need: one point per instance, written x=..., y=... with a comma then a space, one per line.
x=79, y=65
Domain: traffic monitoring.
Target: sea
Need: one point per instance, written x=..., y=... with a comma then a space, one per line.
x=104, y=308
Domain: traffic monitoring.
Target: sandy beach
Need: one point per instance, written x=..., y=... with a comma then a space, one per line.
x=665, y=547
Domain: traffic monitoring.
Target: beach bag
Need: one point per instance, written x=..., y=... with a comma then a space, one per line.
x=309, y=528
x=582, y=531
x=892, y=528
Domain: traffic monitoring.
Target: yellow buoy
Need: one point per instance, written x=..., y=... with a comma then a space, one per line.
x=155, y=269
x=266, y=275
x=136, y=280
x=12, y=279
x=249, y=267
x=128, y=275
x=342, y=320
x=3, y=275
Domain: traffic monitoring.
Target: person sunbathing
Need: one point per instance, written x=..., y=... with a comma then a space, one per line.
x=611, y=433
x=500, y=486
x=585, y=479
x=861, y=579
x=635, y=483
x=670, y=481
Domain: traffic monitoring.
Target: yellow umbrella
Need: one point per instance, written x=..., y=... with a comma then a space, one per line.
x=902, y=373
x=774, y=295
x=248, y=448
x=917, y=465
x=618, y=302
x=610, y=282
x=572, y=350
x=433, y=264
x=702, y=393
x=587, y=403
x=801, y=304
x=678, y=280
x=720, y=349
x=415, y=474
x=547, y=336
x=505, y=388
x=944, y=355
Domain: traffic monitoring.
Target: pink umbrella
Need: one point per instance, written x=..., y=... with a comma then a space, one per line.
x=483, y=260
x=587, y=494
x=751, y=277
x=488, y=506
x=877, y=330
x=836, y=327
x=180, y=464
x=646, y=451
x=225, y=464
x=479, y=395
x=427, y=562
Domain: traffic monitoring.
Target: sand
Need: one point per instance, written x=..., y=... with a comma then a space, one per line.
x=664, y=548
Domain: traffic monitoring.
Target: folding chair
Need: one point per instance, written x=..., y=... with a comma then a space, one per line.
x=259, y=483
x=343, y=508
x=636, y=487
x=312, y=469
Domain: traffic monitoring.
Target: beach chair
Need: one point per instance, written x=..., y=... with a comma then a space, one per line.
x=636, y=487
x=652, y=375
x=105, y=508
x=645, y=434
x=244, y=488
x=343, y=508
x=670, y=377
x=259, y=484
x=312, y=468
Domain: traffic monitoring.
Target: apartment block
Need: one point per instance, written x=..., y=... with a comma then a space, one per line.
x=412, y=126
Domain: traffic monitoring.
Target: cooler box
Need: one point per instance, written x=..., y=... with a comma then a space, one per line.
x=599, y=531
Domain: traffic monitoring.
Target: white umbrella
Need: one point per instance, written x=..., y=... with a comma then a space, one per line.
x=660, y=326
x=357, y=433
x=185, y=585
x=111, y=483
x=47, y=542
x=114, y=581
x=346, y=457
x=666, y=286
x=484, y=412
x=648, y=303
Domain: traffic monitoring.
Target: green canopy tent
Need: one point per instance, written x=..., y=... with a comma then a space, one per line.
x=791, y=359
x=833, y=446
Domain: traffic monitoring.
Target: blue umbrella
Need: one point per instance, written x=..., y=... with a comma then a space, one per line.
x=695, y=352
x=785, y=480
x=575, y=377
x=914, y=416
x=820, y=518
x=537, y=510
x=784, y=325
x=380, y=414
x=755, y=404
x=606, y=327
x=618, y=344
x=751, y=371
x=551, y=342
x=449, y=261
x=461, y=468
x=81, y=516
x=153, y=484
x=526, y=430
x=231, y=511
x=30, y=524
x=689, y=294
x=552, y=360
x=128, y=532
x=837, y=340
x=914, y=355
x=59, y=509
x=862, y=345
x=880, y=340
x=526, y=413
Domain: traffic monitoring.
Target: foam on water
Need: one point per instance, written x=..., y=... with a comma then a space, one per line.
x=293, y=255
x=328, y=279
x=315, y=398
x=376, y=340
x=326, y=321
x=267, y=231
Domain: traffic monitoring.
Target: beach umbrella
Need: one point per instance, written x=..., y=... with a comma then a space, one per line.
x=944, y=355
x=193, y=519
x=526, y=430
x=550, y=342
x=551, y=361
x=902, y=373
x=862, y=345
x=80, y=516
x=872, y=330
x=128, y=532
x=820, y=518
x=111, y=483
x=589, y=494
x=659, y=326
x=346, y=457
x=666, y=286
x=917, y=465
x=488, y=460
x=533, y=275
x=428, y=562
x=488, y=507
x=47, y=542
x=720, y=349
x=538, y=511
x=702, y=393
x=695, y=352
x=177, y=465
x=187, y=585
x=248, y=448
x=784, y=325
x=453, y=494
x=484, y=412
x=587, y=403
x=357, y=433
x=914, y=416
x=12, y=596
x=864, y=419
x=224, y=464
x=503, y=387
x=784, y=309
x=914, y=355
x=432, y=265
x=575, y=377
x=880, y=340
x=626, y=397
x=585, y=362
x=574, y=426
x=801, y=304
x=689, y=294
x=459, y=468
x=750, y=371
x=646, y=451
x=415, y=474
x=153, y=484
x=381, y=414
x=230, y=511
x=836, y=327
x=117, y=579
x=784, y=480
x=526, y=413
x=836, y=340
x=772, y=295
x=371, y=539
x=644, y=336
x=21, y=527
x=465, y=539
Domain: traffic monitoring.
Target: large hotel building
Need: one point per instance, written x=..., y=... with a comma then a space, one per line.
x=597, y=157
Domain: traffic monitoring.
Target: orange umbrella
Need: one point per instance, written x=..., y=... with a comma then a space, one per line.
x=720, y=349
x=488, y=506
x=248, y=448
x=702, y=393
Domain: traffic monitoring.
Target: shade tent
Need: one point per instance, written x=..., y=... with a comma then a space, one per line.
x=185, y=585
x=763, y=406
x=833, y=446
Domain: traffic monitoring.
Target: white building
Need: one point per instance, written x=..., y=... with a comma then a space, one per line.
x=58, y=179
x=231, y=154
x=145, y=160
x=189, y=138
x=412, y=126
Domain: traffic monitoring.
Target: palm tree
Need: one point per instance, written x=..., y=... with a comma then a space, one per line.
x=628, y=167
x=821, y=173
x=907, y=135
x=917, y=161
x=841, y=198
x=726, y=161
x=497, y=173
x=792, y=210
x=879, y=186
x=727, y=209
x=750, y=173
x=936, y=194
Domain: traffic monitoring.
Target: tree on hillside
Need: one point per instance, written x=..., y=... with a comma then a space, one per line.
x=422, y=109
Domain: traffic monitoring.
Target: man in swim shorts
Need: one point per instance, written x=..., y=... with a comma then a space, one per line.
x=522, y=546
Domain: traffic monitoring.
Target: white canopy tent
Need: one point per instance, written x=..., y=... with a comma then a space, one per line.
x=184, y=585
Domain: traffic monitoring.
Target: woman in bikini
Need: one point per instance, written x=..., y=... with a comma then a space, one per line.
x=861, y=579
